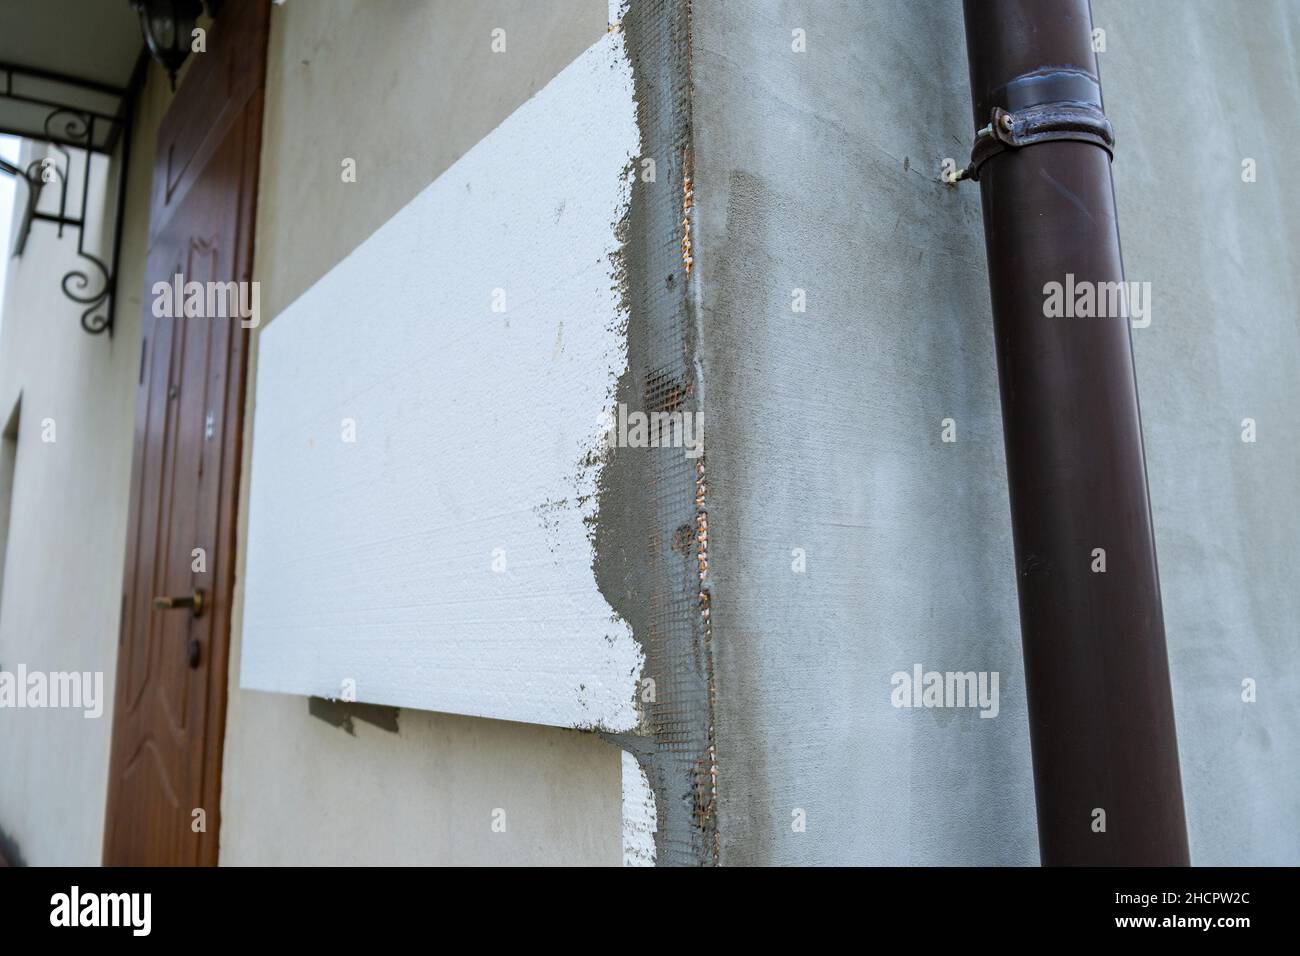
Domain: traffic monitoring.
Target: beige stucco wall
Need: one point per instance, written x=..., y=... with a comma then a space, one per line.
x=404, y=89
x=61, y=599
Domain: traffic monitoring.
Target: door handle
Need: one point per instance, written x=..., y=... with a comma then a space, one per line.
x=194, y=602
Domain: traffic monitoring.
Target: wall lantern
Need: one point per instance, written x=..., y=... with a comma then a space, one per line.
x=168, y=26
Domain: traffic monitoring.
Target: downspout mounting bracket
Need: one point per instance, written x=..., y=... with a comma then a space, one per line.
x=1036, y=110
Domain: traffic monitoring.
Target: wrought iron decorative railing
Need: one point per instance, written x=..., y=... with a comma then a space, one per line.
x=76, y=135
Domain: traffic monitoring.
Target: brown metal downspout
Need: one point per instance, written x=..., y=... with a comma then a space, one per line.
x=1101, y=713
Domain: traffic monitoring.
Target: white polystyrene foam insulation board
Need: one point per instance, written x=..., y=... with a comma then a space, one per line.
x=442, y=560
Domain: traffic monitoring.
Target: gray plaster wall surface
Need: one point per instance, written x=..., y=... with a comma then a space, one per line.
x=1216, y=84
x=404, y=89
x=820, y=171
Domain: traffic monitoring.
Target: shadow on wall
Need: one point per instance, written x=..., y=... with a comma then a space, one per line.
x=341, y=713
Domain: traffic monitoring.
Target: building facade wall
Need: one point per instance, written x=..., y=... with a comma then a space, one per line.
x=848, y=540
x=404, y=90
x=820, y=171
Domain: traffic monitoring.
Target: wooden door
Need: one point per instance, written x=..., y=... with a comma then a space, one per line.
x=169, y=716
